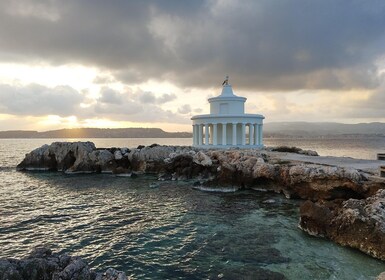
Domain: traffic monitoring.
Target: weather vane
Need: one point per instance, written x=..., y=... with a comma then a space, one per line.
x=226, y=81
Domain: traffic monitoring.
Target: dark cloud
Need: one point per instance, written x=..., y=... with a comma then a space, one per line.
x=150, y=98
x=37, y=100
x=110, y=96
x=261, y=44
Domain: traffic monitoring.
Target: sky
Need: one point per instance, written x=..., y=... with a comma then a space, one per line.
x=123, y=63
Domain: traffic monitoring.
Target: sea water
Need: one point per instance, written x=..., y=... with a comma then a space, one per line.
x=170, y=231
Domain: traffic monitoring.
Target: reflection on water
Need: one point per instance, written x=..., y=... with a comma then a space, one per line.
x=170, y=232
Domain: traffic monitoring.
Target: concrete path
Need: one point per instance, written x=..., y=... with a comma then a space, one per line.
x=370, y=166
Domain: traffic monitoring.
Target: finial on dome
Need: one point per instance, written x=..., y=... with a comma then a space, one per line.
x=226, y=81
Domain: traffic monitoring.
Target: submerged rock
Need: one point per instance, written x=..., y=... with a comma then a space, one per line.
x=42, y=264
x=355, y=223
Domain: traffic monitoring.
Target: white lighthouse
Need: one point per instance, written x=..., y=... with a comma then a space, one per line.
x=227, y=125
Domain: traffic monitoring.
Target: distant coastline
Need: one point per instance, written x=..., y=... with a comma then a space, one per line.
x=95, y=133
x=271, y=130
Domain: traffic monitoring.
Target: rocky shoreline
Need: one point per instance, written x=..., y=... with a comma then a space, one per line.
x=345, y=204
x=41, y=263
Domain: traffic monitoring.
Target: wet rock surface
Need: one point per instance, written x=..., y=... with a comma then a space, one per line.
x=42, y=264
x=356, y=223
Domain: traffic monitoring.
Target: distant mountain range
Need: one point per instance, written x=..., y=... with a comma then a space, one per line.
x=315, y=129
x=276, y=129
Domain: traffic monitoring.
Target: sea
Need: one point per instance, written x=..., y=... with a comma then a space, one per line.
x=171, y=230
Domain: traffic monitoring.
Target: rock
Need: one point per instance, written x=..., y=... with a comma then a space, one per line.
x=308, y=153
x=356, y=223
x=230, y=168
x=202, y=159
x=111, y=274
x=43, y=264
x=118, y=155
x=381, y=276
x=101, y=161
x=59, y=156
x=260, y=160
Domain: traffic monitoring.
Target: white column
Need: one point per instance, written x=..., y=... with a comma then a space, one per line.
x=234, y=134
x=194, y=135
x=215, y=131
x=224, y=134
x=206, y=133
x=251, y=134
x=260, y=134
x=243, y=134
x=200, y=136
x=256, y=134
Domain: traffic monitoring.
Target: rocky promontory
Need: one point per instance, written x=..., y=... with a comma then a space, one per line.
x=344, y=196
x=235, y=168
x=41, y=263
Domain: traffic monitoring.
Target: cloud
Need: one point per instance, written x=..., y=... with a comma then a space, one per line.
x=110, y=96
x=185, y=109
x=263, y=44
x=37, y=100
x=133, y=106
x=150, y=98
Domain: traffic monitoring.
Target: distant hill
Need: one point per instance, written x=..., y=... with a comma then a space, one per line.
x=310, y=129
x=96, y=133
x=276, y=129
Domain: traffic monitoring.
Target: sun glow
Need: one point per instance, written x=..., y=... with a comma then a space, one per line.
x=60, y=122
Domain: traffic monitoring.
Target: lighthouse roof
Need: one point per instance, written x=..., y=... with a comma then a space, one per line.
x=227, y=91
x=227, y=94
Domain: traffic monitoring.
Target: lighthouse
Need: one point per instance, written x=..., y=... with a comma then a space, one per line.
x=227, y=125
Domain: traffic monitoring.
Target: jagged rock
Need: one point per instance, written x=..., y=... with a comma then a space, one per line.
x=111, y=274
x=354, y=223
x=58, y=156
x=118, y=155
x=124, y=151
x=229, y=168
x=42, y=264
x=202, y=159
x=101, y=161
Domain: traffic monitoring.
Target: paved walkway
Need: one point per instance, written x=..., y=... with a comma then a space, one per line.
x=371, y=166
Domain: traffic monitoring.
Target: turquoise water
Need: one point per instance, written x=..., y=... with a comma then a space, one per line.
x=167, y=232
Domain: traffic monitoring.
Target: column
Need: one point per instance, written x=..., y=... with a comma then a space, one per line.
x=215, y=130
x=256, y=134
x=243, y=134
x=194, y=135
x=200, y=136
x=251, y=134
x=260, y=134
x=206, y=133
x=234, y=134
x=224, y=134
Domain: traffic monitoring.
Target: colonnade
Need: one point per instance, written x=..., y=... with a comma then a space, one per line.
x=228, y=134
